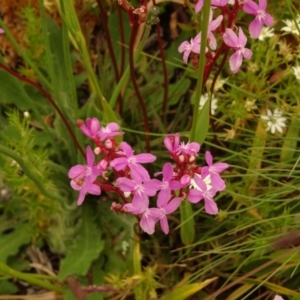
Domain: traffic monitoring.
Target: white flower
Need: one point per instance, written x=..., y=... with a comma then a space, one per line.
x=250, y=105
x=275, y=121
x=206, y=180
x=214, y=101
x=296, y=71
x=291, y=26
x=266, y=33
x=278, y=298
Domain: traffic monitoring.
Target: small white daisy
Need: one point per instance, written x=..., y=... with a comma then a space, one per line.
x=214, y=102
x=296, y=71
x=275, y=121
x=291, y=26
x=266, y=33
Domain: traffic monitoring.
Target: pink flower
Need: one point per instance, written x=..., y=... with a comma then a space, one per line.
x=91, y=127
x=149, y=216
x=172, y=142
x=133, y=162
x=200, y=192
x=167, y=207
x=213, y=171
x=140, y=190
x=188, y=47
x=109, y=131
x=83, y=177
x=167, y=183
x=1, y=30
x=261, y=17
x=217, y=3
x=188, y=148
x=238, y=43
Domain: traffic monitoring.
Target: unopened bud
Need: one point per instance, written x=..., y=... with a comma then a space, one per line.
x=79, y=123
x=26, y=115
x=102, y=164
x=108, y=144
x=192, y=159
x=185, y=180
x=97, y=150
x=181, y=158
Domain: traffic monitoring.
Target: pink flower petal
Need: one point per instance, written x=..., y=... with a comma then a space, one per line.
x=247, y=53
x=194, y=196
x=90, y=156
x=250, y=7
x=77, y=171
x=164, y=225
x=268, y=20
x=262, y=4
x=119, y=163
x=230, y=38
x=173, y=205
x=127, y=149
x=199, y=6
x=242, y=38
x=210, y=207
x=235, y=61
x=145, y=158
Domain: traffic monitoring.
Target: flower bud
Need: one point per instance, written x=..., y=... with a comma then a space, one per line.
x=79, y=123
x=97, y=150
x=181, y=158
x=192, y=159
x=108, y=144
x=185, y=180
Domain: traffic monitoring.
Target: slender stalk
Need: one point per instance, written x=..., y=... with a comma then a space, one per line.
x=30, y=278
x=122, y=37
x=125, y=75
x=108, y=40
x=204, y=29
x=136, y=88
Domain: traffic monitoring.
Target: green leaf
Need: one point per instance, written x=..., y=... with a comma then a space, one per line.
x=12, y=91
x=187, y=228
x=7, y=287
x=86, y=247
x=202, y=123
x=11, y=242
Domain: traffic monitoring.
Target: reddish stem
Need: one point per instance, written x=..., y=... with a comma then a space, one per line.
x=109, y=44
x=135, y=85
x=37, y=86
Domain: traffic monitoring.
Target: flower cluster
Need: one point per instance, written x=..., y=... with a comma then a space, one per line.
x=224, y=25
x=184, y=180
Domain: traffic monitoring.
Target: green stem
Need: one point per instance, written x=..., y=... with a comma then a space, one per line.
x=30, y=278
x=204, y=29
x=29, y=173
x=72, y=22
x=125, y=76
